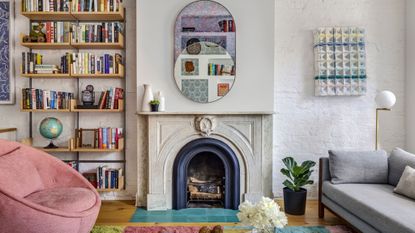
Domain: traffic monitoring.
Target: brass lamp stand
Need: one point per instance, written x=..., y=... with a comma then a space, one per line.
x=377, y=125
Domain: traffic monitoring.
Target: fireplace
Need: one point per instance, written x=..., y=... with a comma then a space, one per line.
x=206, y=175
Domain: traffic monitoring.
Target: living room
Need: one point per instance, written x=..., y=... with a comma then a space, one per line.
x=300, y=120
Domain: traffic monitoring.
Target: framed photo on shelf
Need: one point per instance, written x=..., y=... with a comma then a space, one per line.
x=87, y=138
x=223, y=89
x=7, y=81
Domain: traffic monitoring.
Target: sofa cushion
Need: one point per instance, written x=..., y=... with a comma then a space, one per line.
x=376, y=204
x=406, y=185
x=64, y=199
x=358, y=167
x=7, y=147
x=18, y=176
x=398, y=160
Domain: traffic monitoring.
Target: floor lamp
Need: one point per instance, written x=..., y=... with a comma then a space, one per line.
x=385, y=100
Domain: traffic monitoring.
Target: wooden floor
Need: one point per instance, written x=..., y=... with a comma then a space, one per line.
x=118, y=213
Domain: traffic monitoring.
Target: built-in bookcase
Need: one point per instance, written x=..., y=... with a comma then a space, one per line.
x=78, y=17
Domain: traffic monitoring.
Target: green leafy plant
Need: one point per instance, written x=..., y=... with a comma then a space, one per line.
x=155, y=102
x=298, y=176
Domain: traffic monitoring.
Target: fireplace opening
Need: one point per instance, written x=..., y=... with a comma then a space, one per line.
x=205, y=181
x=206, y=175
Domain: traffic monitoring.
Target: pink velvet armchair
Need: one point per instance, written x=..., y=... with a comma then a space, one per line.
x=41, y=194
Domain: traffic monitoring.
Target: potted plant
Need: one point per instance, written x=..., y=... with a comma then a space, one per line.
x=298, y=176
x=155, y=105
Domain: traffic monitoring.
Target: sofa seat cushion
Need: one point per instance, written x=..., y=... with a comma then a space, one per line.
x=64, y=199
x=376, y=204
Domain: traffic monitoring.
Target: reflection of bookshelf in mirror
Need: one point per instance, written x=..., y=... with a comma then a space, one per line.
x=85, y=25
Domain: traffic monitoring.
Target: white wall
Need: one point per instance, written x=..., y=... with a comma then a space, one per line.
x=410, y=76
x=10, y=115
x=253, y=88
x=306, y=126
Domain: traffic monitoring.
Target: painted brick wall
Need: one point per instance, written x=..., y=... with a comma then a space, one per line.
x=306, y=126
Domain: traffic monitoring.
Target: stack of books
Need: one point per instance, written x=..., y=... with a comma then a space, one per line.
x=109, y=138
x=109, y=178
x=227, y=25
x=66, y=62
x=109, y=99
x=219, y=69
x=96, y=32
x=45, y=5
x=32, y=63
x=96, y=5
x=55, y=32
x=88, y=63
x=45, y=99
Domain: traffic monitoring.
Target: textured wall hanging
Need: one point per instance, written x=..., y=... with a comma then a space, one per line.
x=340, y=61
x=6, y=49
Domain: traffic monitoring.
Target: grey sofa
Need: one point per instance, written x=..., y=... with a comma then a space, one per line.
x=370, y=207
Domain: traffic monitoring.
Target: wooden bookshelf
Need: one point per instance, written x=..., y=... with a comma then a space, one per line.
x=49, y=16
x=34, y=45
x=120, y=108
x=46, y=76
x=55, y=150
x=101, y=45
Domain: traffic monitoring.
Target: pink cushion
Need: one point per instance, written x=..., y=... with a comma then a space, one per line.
x=64, y=199
x=18, y=175
x=7, y=147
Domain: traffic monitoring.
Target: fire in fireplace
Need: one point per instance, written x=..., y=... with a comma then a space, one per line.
x=206, y=175
x=205, y=181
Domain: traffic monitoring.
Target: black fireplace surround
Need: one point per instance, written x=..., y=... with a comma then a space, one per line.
x=230, y=162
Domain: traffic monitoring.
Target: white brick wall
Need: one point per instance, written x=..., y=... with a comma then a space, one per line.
x=305, y=126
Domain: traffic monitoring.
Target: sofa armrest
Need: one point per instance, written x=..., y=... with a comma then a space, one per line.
x=324, y=169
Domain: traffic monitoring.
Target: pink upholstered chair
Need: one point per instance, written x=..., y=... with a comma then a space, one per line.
x=41, y=194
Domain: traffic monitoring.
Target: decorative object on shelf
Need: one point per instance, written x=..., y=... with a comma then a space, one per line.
x=36, y=33
x=7, y=82
x=205, y=51
x=264, y=216
x=50, y=128
x=298, y=176
x=88, y=98
x=162, y=100
x=385, y=101
x=340, y=61
x=205, y=125
x=155, y=105
x=147, y=97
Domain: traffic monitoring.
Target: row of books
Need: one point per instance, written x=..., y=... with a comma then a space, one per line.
x=96, y=32
x=227, y=25
x=29, y=61
x=100, y=138
x=45, y=5
x=88, y=63
x=53, y=32
x=96, y=5
x=109, y=99
x=109, y=178
x=45, y=99
x=220, y=69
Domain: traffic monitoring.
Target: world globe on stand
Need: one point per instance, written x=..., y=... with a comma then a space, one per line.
x=50, y=128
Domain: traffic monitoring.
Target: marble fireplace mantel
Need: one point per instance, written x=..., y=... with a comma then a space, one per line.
x=248, y=134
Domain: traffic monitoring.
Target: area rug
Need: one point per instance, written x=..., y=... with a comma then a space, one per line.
x=237, y=229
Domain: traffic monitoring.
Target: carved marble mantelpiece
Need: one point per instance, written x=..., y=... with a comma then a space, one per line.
x=248, y=134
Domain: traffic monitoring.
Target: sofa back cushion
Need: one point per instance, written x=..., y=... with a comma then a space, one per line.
x=18, y=176
x=398, y=160
x=358, y=167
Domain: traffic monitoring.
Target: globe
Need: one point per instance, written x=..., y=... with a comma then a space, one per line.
x=50, y=128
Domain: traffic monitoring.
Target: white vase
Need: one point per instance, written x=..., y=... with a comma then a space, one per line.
x=160, y=97
x=147, y=97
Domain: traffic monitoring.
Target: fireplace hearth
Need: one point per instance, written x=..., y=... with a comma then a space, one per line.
x=206, y=175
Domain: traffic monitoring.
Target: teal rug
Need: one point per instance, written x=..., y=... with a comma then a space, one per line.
x=185, y=215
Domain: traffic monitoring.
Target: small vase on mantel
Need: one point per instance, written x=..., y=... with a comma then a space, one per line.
x=162, y=106
x=147, y=97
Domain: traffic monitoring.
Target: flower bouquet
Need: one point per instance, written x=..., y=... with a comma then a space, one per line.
x=264, y=216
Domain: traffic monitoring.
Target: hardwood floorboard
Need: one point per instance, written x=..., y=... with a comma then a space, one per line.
x=118, y=213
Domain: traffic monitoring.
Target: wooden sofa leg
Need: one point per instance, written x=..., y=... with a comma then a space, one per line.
x=320, y=210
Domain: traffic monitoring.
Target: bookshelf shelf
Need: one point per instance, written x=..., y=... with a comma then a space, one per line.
x=31, y=45
x=48, y=16
x=120, y=108
x=56, y=150
x=44, y=110
x=50, y=76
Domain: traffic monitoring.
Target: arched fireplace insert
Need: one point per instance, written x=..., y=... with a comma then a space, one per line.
x=206, y=174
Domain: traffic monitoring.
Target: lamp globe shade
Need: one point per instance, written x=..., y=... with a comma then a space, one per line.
x=385, y=99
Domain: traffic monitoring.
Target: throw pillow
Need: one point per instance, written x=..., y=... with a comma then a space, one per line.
x=398, y=160
x=406, y=185
x=358, y=167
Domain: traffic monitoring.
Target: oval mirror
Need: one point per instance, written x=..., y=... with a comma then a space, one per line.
x=205, y=51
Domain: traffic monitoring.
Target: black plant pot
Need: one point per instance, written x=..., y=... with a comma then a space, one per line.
x=154, y=107
x=294, y=202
